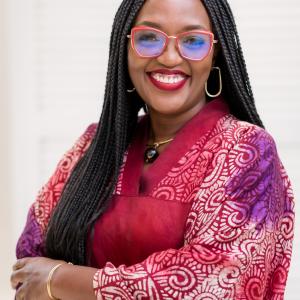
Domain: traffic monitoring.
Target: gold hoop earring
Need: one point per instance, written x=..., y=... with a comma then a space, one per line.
x=220, y=84
x=131, y=91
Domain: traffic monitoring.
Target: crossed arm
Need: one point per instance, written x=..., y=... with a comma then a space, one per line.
x=69, y=282
x=233, y=231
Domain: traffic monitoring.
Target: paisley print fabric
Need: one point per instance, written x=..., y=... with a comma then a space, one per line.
x=238, y=237
x=31, y=242
x=239, y=230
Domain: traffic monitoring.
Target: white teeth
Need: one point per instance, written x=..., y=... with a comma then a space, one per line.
x=170, y=79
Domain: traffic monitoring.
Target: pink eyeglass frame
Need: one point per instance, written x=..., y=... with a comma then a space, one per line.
x=168, y=37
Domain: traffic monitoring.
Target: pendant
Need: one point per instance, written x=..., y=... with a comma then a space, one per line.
x=151, y=154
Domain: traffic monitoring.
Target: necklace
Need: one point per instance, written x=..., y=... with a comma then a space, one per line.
x=151, y=153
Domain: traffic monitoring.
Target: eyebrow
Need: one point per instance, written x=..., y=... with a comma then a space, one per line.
x=186, y=28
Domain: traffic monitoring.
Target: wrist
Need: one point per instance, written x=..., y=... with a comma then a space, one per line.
x=72, y=282
x=53, y=286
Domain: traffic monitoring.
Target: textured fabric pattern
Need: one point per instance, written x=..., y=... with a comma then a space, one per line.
x=31, y=242
x=238, y=237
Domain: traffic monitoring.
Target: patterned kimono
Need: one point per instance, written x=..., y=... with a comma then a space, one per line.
x=211, y=218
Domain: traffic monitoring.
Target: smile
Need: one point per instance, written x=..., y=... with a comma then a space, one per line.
x=168, y=80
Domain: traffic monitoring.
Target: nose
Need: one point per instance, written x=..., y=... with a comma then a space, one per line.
x=171, y=56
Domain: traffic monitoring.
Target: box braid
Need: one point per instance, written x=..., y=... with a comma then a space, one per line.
x=237, y=88
x=92, y=182
x=93, y=179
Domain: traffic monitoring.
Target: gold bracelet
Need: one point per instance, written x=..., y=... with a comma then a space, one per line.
x=49, y=280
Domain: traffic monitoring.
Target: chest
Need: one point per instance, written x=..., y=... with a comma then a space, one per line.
x=149, y=209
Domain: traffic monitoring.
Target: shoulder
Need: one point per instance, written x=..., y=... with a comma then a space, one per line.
x=31, y=240
x=242, y=146
x=50, y=193
x=237, y=132
x=81, y=144
x=87, y=135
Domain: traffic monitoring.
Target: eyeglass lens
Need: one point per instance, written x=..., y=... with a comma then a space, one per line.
x=150, y=43
x=195, y=45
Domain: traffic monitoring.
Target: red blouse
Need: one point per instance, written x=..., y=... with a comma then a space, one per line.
x=211, y=218
x=144, y=218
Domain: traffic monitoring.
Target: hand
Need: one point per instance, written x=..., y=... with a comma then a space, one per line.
x=30, y=277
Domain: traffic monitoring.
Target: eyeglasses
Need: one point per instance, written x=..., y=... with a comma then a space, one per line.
x=150, y=42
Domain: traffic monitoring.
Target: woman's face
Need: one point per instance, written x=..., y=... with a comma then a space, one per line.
x=172, y=17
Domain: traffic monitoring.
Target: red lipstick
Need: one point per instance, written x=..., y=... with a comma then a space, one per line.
x=168, y=80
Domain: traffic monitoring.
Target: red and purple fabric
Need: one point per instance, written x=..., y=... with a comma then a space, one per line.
x=211, y=218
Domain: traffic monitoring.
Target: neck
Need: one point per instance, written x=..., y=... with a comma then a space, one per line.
x=164, y=127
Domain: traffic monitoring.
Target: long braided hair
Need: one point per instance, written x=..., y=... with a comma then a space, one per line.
x=91, y=184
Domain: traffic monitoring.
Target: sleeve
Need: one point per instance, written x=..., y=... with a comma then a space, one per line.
x=238, y=237
x=31, y=241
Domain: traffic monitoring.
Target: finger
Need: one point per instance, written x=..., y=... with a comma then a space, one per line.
x=16, y=279
x=20, y=293
x=19, y=297
x=20, y=263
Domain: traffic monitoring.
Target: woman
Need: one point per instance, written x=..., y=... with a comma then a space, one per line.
x=188, y=202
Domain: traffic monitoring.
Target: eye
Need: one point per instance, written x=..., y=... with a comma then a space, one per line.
x=193, y=40
x=148, y=37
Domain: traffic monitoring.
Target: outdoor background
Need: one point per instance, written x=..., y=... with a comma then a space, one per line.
x=53, y=61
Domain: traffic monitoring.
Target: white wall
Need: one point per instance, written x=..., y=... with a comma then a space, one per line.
x=6, y=213
x=53, y=57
